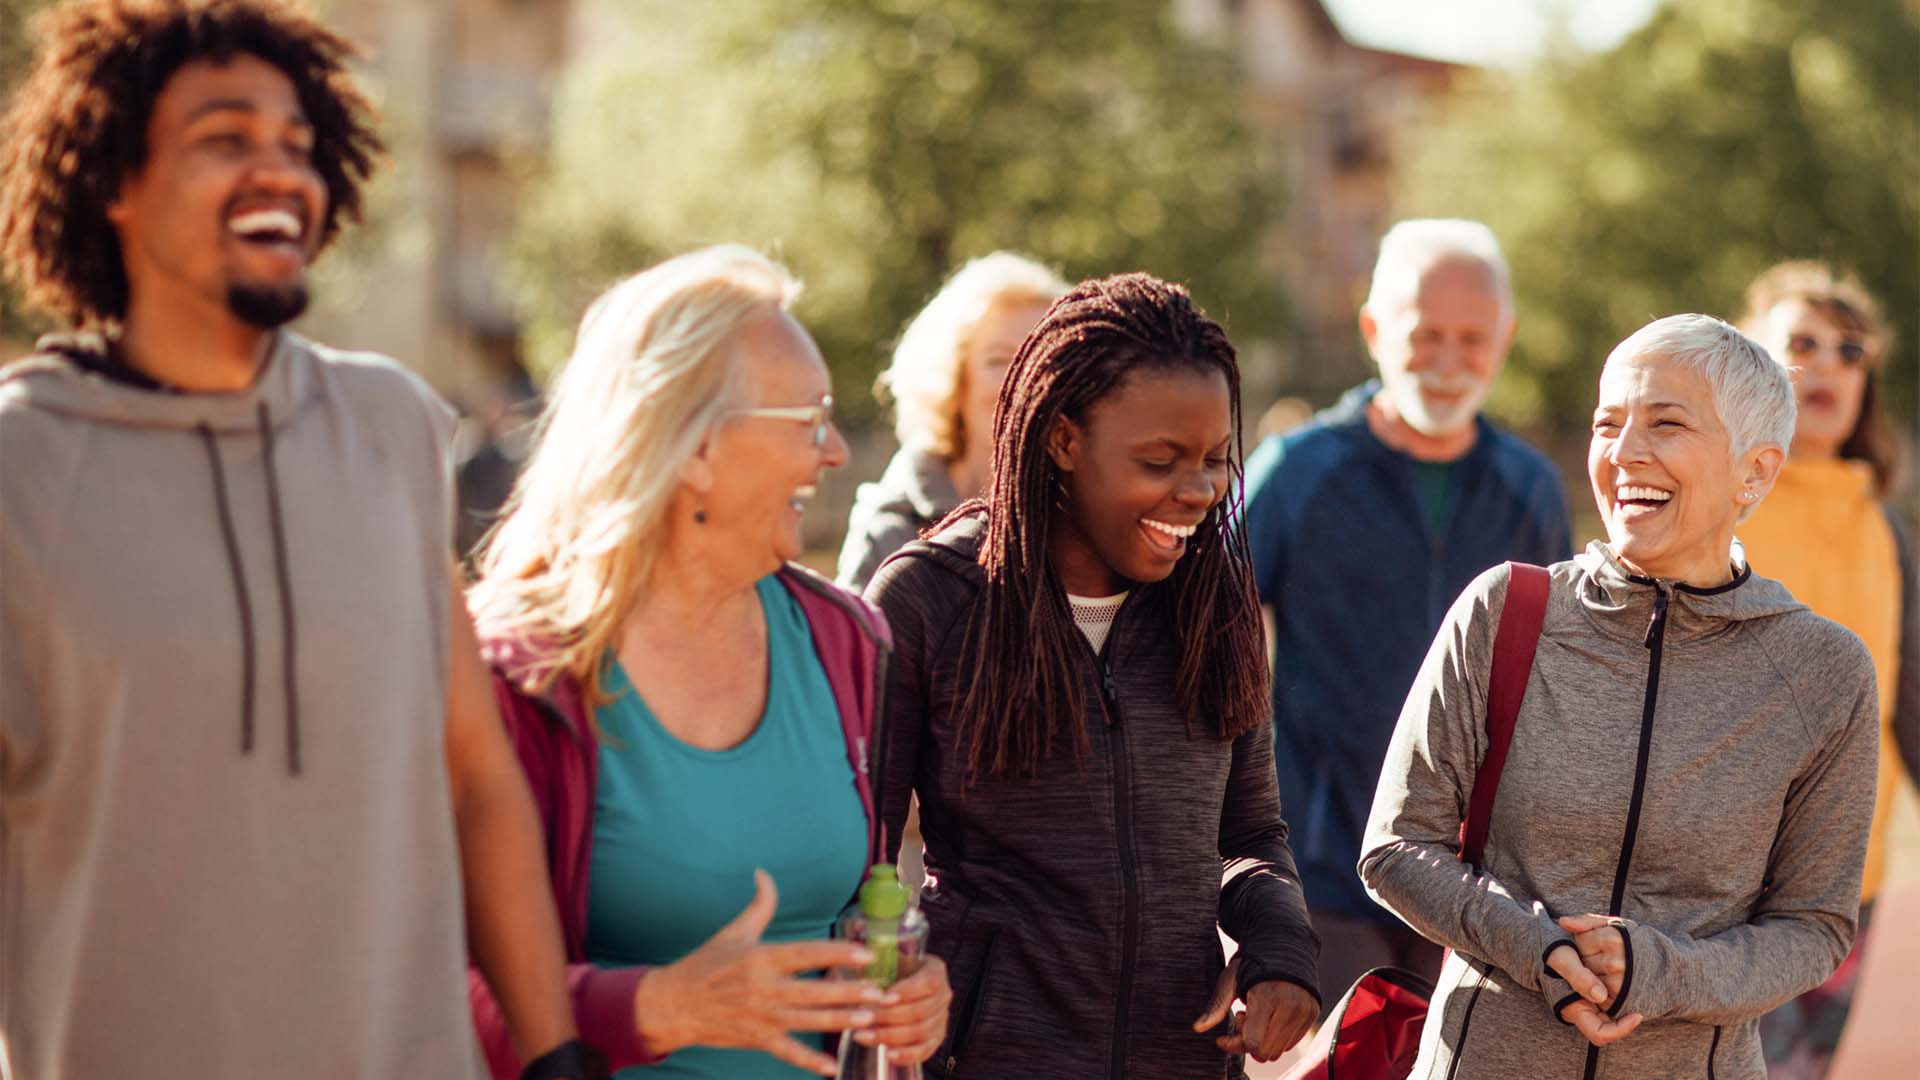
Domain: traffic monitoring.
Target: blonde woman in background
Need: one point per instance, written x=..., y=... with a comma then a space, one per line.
x=944, y=380
x=1829, y=536
x=694, y=711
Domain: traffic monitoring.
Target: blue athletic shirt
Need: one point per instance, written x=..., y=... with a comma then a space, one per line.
x=678, y=831
x=1360, y=576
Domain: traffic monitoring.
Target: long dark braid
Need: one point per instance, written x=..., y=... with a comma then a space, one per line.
x=1020, y=640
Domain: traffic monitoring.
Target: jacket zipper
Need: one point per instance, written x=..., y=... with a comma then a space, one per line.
x=1656, y=643
x=1466, y=1021
x=1129, y=888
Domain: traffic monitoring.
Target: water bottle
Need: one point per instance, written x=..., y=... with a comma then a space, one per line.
x=894, y=931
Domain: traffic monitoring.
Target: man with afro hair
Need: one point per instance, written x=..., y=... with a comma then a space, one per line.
x=249, y=753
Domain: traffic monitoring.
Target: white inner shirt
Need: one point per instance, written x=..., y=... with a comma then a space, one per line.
x=1094, y=616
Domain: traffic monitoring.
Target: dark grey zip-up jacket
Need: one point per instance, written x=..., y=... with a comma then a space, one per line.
x=911, y=495
x=1076, y=911
x=1699, y=762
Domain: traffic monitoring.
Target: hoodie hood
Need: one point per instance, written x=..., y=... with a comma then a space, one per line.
x=1624, y=601
x=956, y=548
x=915, y=484
x=64, y=376
x=68, y=377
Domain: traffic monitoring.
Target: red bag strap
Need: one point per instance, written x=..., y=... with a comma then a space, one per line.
x=1513, y=647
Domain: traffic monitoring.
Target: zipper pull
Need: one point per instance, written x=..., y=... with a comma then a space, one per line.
x=1659, y=616
x=1108, y=692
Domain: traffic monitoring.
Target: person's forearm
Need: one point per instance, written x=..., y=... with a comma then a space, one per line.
x=511, y=925
x=1428, y=887
x=1737, y=974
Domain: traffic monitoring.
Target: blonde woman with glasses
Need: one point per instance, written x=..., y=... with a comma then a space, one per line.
x=695, y=712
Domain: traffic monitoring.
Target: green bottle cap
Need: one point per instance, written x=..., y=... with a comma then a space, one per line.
x=883, y=896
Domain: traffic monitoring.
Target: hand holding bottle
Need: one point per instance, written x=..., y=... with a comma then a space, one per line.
x=912, y=1019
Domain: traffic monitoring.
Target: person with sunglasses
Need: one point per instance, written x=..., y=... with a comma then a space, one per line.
x=1829, y=535
x=695, y=711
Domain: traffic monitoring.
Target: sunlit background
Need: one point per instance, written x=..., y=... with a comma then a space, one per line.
x=1636, y=157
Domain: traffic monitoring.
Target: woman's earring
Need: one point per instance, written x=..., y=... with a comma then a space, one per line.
x=699, y=514
x=1748, y=496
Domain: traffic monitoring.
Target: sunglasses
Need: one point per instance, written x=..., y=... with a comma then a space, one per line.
x=820, y=415
x=1852, y=353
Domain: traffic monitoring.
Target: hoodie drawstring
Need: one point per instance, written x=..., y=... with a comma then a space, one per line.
x=289, y=650
x=288, y=653
x=239, y=586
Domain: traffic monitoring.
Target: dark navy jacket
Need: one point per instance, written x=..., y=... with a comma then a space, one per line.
x=1359, y=585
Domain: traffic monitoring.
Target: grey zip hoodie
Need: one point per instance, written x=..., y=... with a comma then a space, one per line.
x=226, y=848
x=888, y=514
x=1698, y=761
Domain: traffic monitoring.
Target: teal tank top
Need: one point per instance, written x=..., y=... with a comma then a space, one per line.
x=678, y=831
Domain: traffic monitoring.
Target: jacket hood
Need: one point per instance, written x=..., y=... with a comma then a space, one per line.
x=62, y=377
x=914, y=484
x=1618, y=597
x=955, y=548
x=67, y=377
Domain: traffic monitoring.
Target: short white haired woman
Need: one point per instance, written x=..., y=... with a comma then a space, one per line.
x=945, y=379
x=1677, y=840
x=693, y=709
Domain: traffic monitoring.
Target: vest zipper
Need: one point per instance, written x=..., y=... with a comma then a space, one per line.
x=1656, y=643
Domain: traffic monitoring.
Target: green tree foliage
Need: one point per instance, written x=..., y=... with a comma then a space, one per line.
x=873, y=145
x=1661, y=177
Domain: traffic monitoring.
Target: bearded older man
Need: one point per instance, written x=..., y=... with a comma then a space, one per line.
x=1365, y=523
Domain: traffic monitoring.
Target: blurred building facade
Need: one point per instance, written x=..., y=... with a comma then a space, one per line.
x=1337, y=114
x=466, y=86
x=466, y=90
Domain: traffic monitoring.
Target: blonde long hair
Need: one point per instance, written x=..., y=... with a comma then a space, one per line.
x=653, y=372
x=927, y=377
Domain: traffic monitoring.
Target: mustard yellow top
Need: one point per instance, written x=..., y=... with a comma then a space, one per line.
x=1823, y=534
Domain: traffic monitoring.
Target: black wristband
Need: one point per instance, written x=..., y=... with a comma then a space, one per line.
x=571, y=1060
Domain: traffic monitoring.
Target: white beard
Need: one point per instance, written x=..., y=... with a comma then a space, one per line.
x=1404, y=392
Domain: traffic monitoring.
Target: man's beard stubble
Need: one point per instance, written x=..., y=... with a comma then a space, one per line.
x=267, y=307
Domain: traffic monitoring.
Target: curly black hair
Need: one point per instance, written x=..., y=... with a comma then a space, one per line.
x=78, y=126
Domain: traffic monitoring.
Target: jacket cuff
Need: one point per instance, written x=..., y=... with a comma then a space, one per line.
x=1554, y=986
x=1254, y=971
x=1627, y=929
x=603, y=1010
x=1533, y=971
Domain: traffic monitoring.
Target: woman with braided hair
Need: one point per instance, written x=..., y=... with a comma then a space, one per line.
x=1079, y=698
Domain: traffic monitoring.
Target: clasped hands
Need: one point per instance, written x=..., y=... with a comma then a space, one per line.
x=1596, y=968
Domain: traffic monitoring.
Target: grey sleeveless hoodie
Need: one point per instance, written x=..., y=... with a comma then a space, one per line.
x=1700, y=762
x=226, y=846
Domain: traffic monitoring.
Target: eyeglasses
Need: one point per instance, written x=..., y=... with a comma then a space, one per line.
x=820, y=415
x=1852, y=353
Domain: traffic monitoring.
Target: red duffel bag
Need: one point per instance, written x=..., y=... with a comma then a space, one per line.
x=1374, y=1033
